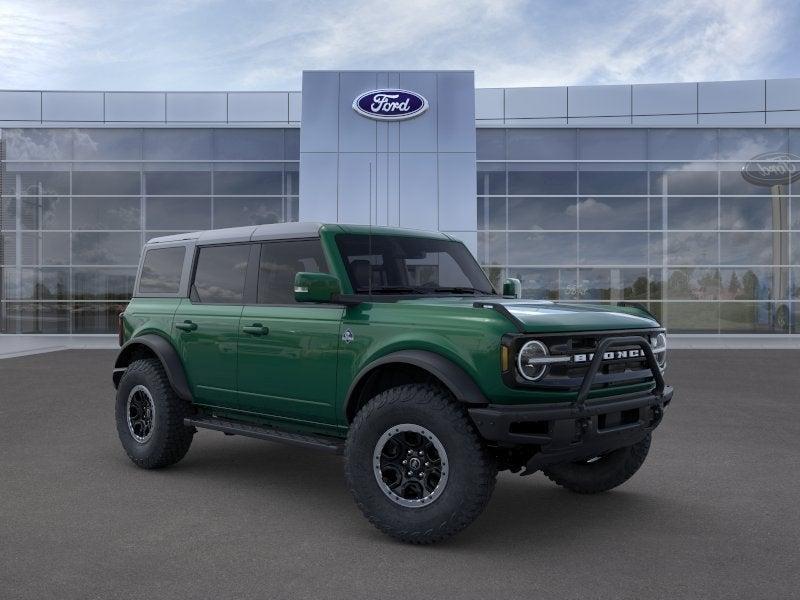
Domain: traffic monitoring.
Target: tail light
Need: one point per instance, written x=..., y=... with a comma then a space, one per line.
x=120, y=329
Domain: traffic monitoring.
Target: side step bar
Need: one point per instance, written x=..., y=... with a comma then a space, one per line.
x=319, y=442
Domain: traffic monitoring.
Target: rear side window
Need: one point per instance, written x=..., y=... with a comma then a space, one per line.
x=280, y=262
x=161, y=270
x=220, y=274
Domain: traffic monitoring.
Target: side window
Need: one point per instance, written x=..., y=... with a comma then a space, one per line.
x=161, y=270
x=220, y=274
x=280, y=262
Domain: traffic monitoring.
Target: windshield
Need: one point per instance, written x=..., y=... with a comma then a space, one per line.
x=390, y=264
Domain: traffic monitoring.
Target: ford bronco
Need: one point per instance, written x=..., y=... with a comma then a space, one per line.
x=391, y=347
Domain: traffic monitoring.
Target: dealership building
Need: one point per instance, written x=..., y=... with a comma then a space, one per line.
x=683, y=196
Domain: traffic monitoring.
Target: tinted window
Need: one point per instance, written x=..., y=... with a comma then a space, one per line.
x=280, y=262
x=220, y=273
x=161, y=271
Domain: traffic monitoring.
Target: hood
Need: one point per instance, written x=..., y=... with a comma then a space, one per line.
x=535, y=316
x=552, y=316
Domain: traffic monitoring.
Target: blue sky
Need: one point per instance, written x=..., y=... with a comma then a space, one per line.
x=264, y=45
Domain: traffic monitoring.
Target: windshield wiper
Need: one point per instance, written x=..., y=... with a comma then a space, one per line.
x=463, y=290
x=393, y=289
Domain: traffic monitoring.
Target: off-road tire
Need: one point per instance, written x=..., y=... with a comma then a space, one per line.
x=472, y=471
x=607, y=472
x=170, y=438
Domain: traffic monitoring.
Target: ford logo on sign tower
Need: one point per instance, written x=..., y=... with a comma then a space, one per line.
x=390, y=105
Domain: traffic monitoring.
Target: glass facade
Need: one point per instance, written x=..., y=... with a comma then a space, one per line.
x=78, y=204
x=665, y=217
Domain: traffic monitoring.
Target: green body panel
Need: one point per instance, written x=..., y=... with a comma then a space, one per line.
x=209, y=352
x=291, y=371
x=296, y=364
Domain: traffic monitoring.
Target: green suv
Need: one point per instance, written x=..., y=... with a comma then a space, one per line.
x=391, y=347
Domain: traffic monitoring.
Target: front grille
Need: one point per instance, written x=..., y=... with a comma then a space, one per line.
x=569, y=376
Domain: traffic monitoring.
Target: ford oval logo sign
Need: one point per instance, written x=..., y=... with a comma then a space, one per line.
x=772, y=168
x=390, y=105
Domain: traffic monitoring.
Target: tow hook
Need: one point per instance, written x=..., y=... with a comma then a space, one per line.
x=581, y=427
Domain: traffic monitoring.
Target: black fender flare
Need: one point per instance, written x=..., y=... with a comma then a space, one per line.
x=165, y=352
x=460, y=384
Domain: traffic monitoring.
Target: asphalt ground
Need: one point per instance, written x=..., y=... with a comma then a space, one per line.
x=713, y=513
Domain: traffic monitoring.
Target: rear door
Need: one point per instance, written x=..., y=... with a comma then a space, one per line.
x=207, y=323
x=288, y=351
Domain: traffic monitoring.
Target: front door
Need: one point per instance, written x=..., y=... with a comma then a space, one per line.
x=207, y=323
x=288, y=351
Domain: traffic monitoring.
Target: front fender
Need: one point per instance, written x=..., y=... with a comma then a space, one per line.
x=165, y=352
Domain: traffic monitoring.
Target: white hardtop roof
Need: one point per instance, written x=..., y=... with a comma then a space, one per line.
x=275, y=231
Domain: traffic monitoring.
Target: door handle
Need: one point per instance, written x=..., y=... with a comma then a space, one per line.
x=187, y=325
x=256, y=329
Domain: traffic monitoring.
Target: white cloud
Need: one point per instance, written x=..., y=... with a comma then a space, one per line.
x=211, y=44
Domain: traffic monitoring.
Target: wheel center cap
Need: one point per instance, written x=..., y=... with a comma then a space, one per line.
x=414, y=463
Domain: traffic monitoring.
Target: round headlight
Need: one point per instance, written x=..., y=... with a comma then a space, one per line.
x=659, y=344
x=528, y=365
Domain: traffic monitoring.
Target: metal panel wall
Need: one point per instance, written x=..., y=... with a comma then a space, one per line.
x=415, y=173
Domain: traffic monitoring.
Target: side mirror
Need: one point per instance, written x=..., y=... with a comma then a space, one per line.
x=315, y=287
x=512, y=287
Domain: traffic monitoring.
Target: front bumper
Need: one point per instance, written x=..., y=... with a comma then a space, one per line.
x=565, y=432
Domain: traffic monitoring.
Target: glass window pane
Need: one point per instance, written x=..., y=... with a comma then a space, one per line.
x=280, y=262
x=178, y=144
x=491, y=213
x=249, y=144
x=491, y=179
x=177, y=183
x=692, y=249
x=612, y=182
x=45, y=248
x=542, y=213
x=107, y=144
x=655, y=248
x=657, y=213
x=103, y=283
x=613, y=144
x=38, y=144
x=692, y=317
x=291, y=142
x=542, y=248
x=235, y=212
x=612, y=213
x=106, y=213
x=249, y=180
x=49, y=283
x=746, y=317
x=733, y=182
x=45, y=212
x=180, y=214
x=682, y=144
x=119, y=248
x=750, y=213
x=744, y=144
x=8, y=214
x=750, y=283
x=97, y=183
x=542, y=179
x=96, y=318
x=683, y=183
x=752, y=248
x=219, y=277
x=36, y=317
x=8, y=248
x=492, y=248
x=613, y=284
x=542, y=144
x=692, y=213
x=613, y=249
x=34, y=180
x=693, y=284
x=491, y=144
x=291, y=178
x=161, y=270
x=547, y=284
